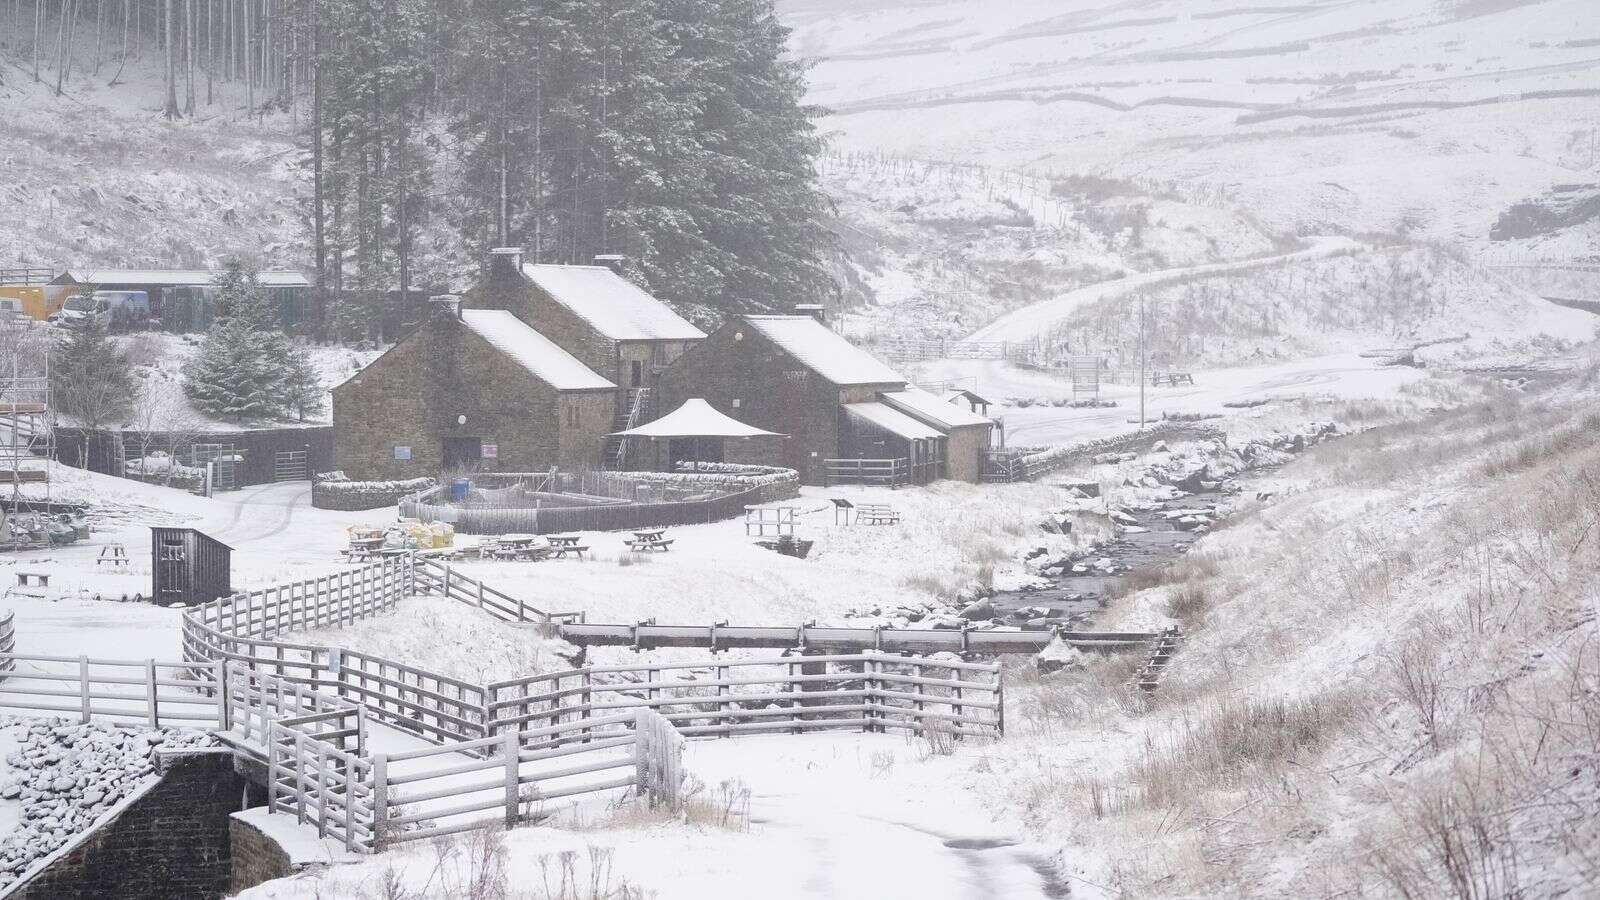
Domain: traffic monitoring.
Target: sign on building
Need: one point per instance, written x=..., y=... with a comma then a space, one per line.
x=402, y=453
x=491, y=451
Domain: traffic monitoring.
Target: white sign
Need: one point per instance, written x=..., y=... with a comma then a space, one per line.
x=402, y=452
x=491, y=451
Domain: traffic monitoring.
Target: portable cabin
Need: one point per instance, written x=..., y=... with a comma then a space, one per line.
x=189, y=567
x=36, y=292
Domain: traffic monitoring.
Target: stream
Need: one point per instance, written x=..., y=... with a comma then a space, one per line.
x=1074, y=598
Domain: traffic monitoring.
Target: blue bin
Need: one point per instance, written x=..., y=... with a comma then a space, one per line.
x=458, y=490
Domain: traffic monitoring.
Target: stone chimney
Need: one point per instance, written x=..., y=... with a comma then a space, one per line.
x=504, y=261
x=612, y=261
x=814, y=310
x=446, y=304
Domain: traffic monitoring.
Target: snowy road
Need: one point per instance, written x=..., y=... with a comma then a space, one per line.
x=868, y=816
x=1036, y=319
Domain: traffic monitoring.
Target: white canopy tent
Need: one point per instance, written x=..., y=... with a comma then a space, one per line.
x=694, y=421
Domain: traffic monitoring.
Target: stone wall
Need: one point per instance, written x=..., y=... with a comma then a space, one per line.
x=418, y=394
x=257, y=857
x=171, y=842
x=385, y=407
x=355, y=496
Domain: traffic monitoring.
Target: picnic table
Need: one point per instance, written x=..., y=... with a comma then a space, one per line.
x=650, y=539
x=876, y=514
x=364, y=548
x=562, y=544
x=521, y=546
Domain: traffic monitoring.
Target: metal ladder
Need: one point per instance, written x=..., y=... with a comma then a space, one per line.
x=617, y=451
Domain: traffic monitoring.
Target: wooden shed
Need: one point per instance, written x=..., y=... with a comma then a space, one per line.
x=189, y=567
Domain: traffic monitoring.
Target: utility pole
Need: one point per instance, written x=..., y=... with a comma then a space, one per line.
x=1142, y=357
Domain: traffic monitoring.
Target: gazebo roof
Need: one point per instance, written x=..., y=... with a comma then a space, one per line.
x=696, y=418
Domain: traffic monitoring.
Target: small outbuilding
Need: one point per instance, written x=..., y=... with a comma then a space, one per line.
x=189, y=567
x=696, y=432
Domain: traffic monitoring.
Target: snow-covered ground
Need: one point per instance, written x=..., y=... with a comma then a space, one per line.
x=1346, y=376
x=1313, y=116
x=827, y=816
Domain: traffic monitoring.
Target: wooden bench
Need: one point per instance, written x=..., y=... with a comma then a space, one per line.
x=876, y=514
x=41, y=578
x=562, y=549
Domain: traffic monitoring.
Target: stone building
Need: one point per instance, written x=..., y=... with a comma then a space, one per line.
x=838, y=404
x=609, y=323
x=471, y=389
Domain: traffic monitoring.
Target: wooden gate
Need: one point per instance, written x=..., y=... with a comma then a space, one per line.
x=225, y=476
x=290, y=465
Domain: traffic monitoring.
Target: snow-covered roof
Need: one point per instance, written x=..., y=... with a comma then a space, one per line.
x=939, y=413
x=697, y=418
x=616, y=307
x=891, y=420
x=533, y=351
x=185, y=277
x=824, y=351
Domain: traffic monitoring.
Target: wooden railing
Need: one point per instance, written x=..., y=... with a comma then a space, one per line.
x=794, y=694
x=890, y=472
x=128, y=691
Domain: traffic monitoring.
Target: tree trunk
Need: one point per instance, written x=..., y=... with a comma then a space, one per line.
x=188, y=56
x=169, y=107
x=122, y=59
x=99, y=34
x=38, y=34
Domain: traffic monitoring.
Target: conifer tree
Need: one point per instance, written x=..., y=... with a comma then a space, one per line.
x=91, y=378
x=247, y=369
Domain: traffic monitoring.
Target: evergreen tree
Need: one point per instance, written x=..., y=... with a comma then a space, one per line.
x=91, y=378
x=247, y=369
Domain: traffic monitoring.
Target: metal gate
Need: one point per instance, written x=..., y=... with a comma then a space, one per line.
x=290, y=465
x=225, y=472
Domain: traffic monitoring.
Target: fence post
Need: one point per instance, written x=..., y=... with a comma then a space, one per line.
x=380, y=800
x=220, y=675
x=272, y=770
x=641, y=755
x=511, y=747
x=1000, y=700
x=322, y=790
x=83, y=685
x=150, y=692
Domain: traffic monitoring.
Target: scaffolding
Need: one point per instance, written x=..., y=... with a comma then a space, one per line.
x=27, y=442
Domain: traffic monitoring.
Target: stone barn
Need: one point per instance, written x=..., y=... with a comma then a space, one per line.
x=472, y=390
x=795, y=376
x=607, y=322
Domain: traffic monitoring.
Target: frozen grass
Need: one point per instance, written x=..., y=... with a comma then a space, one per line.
x=1389, y=685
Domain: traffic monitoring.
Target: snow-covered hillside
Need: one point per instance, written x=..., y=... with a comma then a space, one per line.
x=1419, y=116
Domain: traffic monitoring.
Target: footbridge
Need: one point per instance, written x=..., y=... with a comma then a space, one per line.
x=373, y=751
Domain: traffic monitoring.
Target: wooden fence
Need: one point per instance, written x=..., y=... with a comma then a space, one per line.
x=890, y=472
x=500, y=750
x=788, y=695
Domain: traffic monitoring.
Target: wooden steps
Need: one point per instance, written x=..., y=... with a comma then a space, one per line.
x=1162, y=648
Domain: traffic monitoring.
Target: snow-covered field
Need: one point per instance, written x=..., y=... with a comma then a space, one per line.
x=1314, y=116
